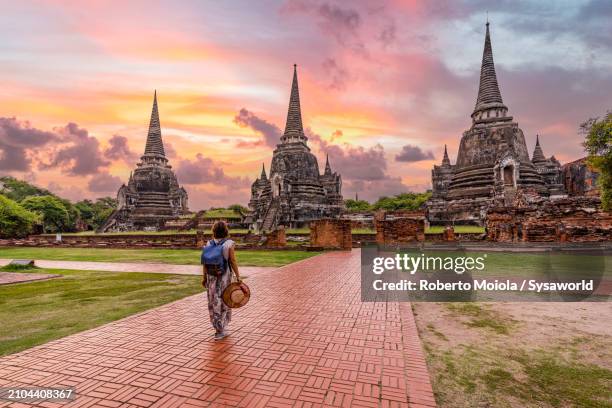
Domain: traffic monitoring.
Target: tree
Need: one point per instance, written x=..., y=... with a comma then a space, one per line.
x=106, y=202
x=74, y=215
x=93, y=214
x=86, y=210
x=103, y=208
x=598, y=143
x=55, y=216
x=357, y=205
x=15, y=221
x=238, y=208
x=101, y=215
x=404, y=201
x=17, y=190
x=83, y=214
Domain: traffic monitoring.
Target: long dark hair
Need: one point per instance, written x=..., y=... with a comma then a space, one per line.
x=220, y=230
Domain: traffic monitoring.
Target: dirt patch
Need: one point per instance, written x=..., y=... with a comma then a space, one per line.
x=518, y=354
x=7, y=278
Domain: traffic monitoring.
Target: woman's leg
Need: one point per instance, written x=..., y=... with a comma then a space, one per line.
x=215, y=302
x=226, y=311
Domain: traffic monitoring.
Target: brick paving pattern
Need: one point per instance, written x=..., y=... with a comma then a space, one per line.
x=134, y=267
x=16, y=277
x=304, y=340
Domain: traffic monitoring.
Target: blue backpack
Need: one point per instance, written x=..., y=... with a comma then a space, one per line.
x=212, y=257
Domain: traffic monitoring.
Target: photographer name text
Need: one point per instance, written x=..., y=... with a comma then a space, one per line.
x=530, y=285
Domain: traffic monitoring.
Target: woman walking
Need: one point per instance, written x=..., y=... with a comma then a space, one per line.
x=218, y=263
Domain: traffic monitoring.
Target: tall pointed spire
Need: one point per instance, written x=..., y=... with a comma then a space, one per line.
x=154, y=146
x=538, y=154
x=445, y=159
x=263, y=171
x=328, y=170
x=489, y=96
x=294, y=130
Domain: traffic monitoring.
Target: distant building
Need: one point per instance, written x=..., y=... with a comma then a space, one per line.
x=493, y=163
x=549, y=169
x=295, y=193
x=152, y=195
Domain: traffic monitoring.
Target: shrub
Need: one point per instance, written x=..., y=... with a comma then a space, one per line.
x=15, y=221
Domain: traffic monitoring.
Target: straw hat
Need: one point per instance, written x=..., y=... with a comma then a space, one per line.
x=237, y=294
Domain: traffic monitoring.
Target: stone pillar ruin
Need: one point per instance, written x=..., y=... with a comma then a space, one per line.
x=448, y=234
x=331, y=234
x=276, y=238
x=394, y=228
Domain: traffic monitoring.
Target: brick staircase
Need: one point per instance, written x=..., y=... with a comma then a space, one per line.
x=270, y=220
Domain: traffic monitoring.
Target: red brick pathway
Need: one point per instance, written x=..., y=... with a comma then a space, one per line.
x=304, y=340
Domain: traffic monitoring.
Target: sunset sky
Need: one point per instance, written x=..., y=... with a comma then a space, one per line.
x=383, y=84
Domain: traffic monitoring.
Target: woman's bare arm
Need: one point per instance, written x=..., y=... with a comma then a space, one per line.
x=233, y=263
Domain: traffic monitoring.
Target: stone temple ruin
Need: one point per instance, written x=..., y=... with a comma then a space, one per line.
x=493, y=164
x=152, y=195
x=295, y=193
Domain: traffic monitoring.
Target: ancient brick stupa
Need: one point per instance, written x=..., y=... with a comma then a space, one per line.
x=549, y=168
x=295, y=193
x=493, y=163
x=152, y=195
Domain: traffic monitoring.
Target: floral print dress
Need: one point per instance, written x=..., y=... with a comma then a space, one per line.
x=220, y=313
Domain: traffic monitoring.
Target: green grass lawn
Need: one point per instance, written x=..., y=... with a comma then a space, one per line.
x=170, y=256
x=222, y=213
x=459, y=229
x=37, y=312
x=363, y=231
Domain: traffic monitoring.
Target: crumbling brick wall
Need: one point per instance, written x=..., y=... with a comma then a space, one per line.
x=112, y=241
x=364, y=219
x=400, y=227
x=331, y=234
x=276, y=238
x=574, y=219
x=144, y=240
